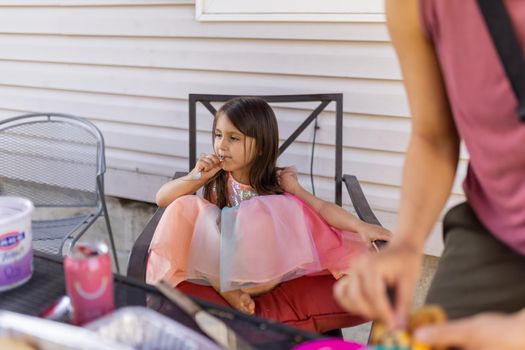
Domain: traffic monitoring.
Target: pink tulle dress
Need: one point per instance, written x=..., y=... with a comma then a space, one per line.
x=257, y=240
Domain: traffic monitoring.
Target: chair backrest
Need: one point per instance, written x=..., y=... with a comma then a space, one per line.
x=323, y=99
x=55, y=160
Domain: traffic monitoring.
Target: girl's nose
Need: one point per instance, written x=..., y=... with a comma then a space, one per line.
x=221, y=145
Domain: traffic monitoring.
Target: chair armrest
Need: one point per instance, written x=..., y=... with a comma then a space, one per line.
x=139, y=253
x=362, y=208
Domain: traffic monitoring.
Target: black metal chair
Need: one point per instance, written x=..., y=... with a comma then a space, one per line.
x=139, y=253
x=56, y=161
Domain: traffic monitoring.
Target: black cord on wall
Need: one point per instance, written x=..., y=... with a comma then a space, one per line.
x=316, y=127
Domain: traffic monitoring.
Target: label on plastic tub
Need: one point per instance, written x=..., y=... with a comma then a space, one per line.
x=16, y=255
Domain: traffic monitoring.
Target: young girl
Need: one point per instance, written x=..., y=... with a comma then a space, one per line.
x=247, y=235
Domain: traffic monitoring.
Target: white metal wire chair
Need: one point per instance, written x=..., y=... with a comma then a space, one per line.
x=57, y=161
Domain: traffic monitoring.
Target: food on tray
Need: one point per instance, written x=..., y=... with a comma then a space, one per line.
x=430, y=314
x=402, y=339
x=15, y=344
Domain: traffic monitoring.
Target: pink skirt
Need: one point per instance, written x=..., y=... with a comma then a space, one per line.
x=264, y=240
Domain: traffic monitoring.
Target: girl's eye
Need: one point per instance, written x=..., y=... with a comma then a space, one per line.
x=234, y=138
x=217, y=135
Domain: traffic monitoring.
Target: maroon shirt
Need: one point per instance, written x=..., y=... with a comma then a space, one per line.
x=483, y=104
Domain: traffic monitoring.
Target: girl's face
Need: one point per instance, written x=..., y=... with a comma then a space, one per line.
x=236, y=149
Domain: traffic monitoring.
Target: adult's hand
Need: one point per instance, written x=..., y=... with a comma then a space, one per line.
x=364, y=290
x=483, y=332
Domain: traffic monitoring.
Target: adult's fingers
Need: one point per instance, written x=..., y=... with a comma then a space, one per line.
x=346, y=293
x=402, y=300
x=373, y=288
x=342, y=293
x=454, y=333
x=360, y=288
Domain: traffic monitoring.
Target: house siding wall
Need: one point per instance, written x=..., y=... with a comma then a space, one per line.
x=129, y=66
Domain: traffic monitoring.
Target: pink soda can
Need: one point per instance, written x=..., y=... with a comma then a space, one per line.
x=89, y=281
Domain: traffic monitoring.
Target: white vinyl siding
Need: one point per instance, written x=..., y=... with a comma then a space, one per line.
x=129, y=66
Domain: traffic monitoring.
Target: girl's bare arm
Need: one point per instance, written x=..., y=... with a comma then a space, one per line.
x=207, y=165
x=333, y=214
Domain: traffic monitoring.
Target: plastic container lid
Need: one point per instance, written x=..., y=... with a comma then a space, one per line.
x=330, y=344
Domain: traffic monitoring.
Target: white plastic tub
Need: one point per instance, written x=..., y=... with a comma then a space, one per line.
x=16, y=256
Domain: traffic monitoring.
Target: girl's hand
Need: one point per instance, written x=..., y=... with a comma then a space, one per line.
x=370, y=233
x=287, y=179
x=483, y=332
x=208, y=165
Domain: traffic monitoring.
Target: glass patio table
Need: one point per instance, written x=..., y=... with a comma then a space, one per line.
x=47, y=285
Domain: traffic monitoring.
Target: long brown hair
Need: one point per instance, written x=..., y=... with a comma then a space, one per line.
x=253, y=117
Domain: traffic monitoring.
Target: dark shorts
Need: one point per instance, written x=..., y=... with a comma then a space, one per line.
x=476, y=271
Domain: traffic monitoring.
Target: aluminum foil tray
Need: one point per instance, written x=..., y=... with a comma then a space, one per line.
x=145, y=329
x=50, y=335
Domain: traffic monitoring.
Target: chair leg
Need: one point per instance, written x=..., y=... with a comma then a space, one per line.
x=111, y=240
x=334, y=333
x=374, y=324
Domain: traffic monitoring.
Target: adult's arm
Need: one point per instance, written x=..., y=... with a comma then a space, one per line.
x=428, y=175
